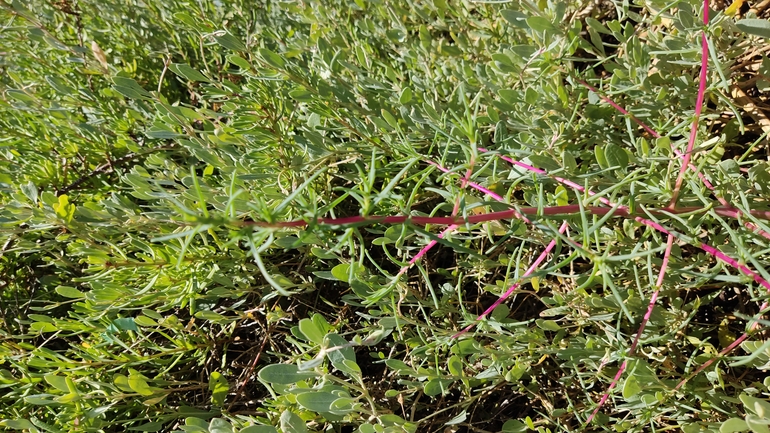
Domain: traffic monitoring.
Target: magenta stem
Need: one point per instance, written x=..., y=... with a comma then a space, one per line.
x=698, y=109
x=516, y=285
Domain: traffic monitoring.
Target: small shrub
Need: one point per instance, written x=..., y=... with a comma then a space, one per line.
x=299, y=216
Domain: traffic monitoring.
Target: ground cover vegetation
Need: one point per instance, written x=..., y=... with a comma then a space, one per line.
x=433, y=216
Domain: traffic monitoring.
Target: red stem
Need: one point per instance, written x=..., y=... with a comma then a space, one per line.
x=621, y=211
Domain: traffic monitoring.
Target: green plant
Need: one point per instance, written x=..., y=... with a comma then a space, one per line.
x=300, y=216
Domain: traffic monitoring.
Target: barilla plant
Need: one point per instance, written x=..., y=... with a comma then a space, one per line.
x=384, y=217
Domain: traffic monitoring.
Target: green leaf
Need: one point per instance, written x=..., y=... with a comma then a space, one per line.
x=185, y=71
x=597, y=25
x=510, y=96
x=130, y=88
x=342, y=405
x=20, y=96
x=758, y=406
x=43, y=327
x=317, y=401
x=562, y=199
x=547, y=325
x=241, y=63
x=58, y=382
x=514, y=426
x=461, y=417
x=540, y=24
x=40, y=401
x=138, y=384
x=187, y=19
x=733, y=425
x=18, y=424
x=755, y=26
x=219, y=425
x=148, y=427
x=616, y=156
x=515, y=18
x=284, y=374
x=30, y=191
x=40, y=318
x=209, y=315
x=70, y=292
x=406, y=96
x=125, y=324
x=323, y=254
x=340, y=355
x=64, y=209
x=301, y=94
x=121, y=381
x=196, y=422
x=455, y=365
x=272, y=58
x=366, y=428
x=154, y=400
x=600, y=158
x=145, y=321
x=663, y=143
x=292, y=423
x=350, y=368
x=311, y=331
x=230, y=42
x=69, y=398
x=162, y=133
x=545, y=162
x=531, y=96
x=219, y=388
x=631, y=387
x=758, y=424
x=341, y=272
x=437, y=386
x=389, y=118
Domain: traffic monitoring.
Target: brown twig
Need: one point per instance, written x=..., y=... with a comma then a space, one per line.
x=251, y=368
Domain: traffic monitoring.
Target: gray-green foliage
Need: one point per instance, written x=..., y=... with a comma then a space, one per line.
x=136, y=296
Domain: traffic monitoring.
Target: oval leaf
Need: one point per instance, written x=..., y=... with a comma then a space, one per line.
x=311, y=331
x=69, y=292
x=230, y=42
x=185, y=71
x=631, y=387
x=616, y=156
x=317, y=401
x=219, y=388
x=292, y=423
x=340, y=272
x=284, y=374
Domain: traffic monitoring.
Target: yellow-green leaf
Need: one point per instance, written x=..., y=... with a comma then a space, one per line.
x=219, y=388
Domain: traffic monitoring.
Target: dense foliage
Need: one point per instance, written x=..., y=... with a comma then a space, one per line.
x=151, y=153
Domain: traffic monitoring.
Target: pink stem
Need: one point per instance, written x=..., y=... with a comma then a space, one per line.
x=516, y=285
x=425, y=249
x=431, y=244
x=724, y=351
x=510, y=290
x=621, y=211
x=669, y=243
x=646, y=319
x=471, y=184
x=691, y=166
x=607, y=394
x=698, y=109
